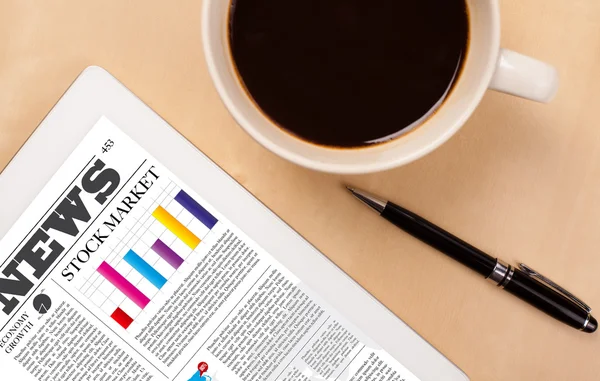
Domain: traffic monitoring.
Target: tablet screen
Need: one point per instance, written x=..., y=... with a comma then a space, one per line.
x=119, y=271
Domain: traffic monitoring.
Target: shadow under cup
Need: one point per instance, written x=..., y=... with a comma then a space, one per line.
x=467, y=91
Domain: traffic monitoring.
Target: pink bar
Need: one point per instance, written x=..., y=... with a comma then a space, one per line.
x=123, y=284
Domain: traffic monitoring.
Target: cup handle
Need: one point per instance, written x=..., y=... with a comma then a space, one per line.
x=524, y=77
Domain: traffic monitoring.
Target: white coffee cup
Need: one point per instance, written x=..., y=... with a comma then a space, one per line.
x=486, y=66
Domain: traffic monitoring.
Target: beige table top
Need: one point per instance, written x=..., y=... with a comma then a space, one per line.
x=521, y=180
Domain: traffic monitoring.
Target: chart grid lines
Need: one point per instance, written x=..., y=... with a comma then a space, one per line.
x=126, y=241
x=159, y=237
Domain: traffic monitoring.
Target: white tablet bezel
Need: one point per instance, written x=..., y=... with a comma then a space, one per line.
x=96, y=93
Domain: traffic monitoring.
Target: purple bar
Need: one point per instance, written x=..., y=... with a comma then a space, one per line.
x=167, y=254
x=196, y=209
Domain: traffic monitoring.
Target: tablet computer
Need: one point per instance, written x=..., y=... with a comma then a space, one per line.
x=127, y=254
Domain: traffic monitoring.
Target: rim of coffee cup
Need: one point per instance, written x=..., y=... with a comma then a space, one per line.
x=341, y=167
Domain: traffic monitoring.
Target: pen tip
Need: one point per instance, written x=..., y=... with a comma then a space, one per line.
x=371, y=201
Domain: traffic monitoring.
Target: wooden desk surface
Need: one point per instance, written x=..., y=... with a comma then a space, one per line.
x=521, y=180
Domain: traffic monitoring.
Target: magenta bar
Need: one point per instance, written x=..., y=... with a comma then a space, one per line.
x=167, y=254
x=123, y=284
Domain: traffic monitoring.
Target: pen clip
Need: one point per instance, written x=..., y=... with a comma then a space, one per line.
x=542, y=279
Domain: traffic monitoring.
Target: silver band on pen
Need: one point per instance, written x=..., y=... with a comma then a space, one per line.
x=502, y=273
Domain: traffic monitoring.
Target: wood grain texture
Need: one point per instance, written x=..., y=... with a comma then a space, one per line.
x=520, y=180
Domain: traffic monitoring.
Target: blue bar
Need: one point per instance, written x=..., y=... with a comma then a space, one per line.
x=196, y=209
x=145, y=269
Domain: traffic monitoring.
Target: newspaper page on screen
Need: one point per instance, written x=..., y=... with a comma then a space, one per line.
x=119, y=271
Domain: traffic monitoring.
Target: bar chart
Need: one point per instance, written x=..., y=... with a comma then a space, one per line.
x=158, y=241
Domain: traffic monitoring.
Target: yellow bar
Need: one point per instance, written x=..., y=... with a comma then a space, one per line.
x=176, y=227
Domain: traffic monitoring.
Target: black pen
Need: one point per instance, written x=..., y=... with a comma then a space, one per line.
x=522, y=282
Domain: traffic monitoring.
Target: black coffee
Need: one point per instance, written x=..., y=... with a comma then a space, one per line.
x=348, y=73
